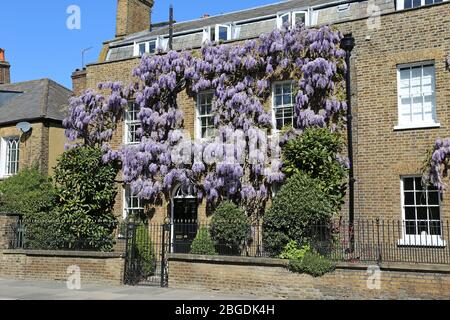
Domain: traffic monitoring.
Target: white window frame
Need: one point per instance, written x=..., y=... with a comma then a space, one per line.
x=207, y=32
x=307, y=22
x=415, y=239
x=126, y=209
x=401, y=4
x=291, y=16
x=274, y=119
x=4, y=154
x=128, y=123
x=417, y=124
x=198, y=116
x=137, y=46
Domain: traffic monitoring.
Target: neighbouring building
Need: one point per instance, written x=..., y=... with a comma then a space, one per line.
x=31, y=114
x=399, y=85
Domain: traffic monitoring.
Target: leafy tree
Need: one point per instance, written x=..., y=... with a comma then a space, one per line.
x=316, y=152
x=298, y=206
x=86, y=192
x=230, y=226
x=203, y=243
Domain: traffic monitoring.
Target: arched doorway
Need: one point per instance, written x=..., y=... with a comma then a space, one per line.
x=184, y=218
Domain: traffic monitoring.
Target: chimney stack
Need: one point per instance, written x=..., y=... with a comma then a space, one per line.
x=5, y=77
x=133, y=16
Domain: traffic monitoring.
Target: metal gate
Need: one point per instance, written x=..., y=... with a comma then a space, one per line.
x=146, y=254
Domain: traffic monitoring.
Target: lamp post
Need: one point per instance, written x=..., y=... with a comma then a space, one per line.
x=347, y=44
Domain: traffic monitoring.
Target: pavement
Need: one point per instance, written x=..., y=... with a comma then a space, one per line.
x=45, y=290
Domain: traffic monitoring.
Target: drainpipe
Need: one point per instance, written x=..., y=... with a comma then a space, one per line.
x=347, y=44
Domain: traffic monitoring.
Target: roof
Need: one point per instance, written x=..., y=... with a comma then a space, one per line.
x=254, y=13
x=29, y=100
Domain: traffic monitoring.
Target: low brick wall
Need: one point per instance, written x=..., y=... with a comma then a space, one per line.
x=95, y=267
x=270, y=278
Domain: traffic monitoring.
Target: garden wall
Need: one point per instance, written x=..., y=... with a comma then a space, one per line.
x=95, y=267
x=270, y=278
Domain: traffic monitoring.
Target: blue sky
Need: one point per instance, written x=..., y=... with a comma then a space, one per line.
x=39, y=45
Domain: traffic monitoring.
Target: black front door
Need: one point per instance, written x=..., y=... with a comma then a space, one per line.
x=184, y=224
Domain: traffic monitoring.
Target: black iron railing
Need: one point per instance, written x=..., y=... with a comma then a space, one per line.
x=375, y=240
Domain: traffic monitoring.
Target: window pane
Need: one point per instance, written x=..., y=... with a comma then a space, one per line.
x=416, y=3
x=434, y=213
x=287, y=99
x=422, y=226
x=299, y=17
x=408, y=184
x=433, y=198
x=223, y=33
x=410, y=227
x=410, y=213
x=152, y=47
x=278, y=89
x=278, y=100
x=422, y=213
x=141, y=48
x=285, y=19
x=418, y=183
x=408, y=4
x=435, y=228
x=409, y=198
x=421, y=198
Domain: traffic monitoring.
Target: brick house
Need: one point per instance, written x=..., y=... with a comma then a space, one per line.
x=399, y=92
x=40, y=105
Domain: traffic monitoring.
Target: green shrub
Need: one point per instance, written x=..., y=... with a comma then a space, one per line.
x=27, y=192
x=313, y=264
x=299, y=205
x=32, y=194
x=145, y=254
x=293, y=252
x=203, y=243
x=315, y=152
x=86, y=191
x=230, y=226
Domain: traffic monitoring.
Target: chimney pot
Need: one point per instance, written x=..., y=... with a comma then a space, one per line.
x=2, y=54
x=205, y=15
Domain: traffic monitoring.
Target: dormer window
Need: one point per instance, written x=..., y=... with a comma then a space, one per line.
x=219, y=32
x=146, y=47
x=408, y=4
x=293, y=18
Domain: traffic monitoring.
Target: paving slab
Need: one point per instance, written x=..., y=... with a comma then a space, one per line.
x=48, y=290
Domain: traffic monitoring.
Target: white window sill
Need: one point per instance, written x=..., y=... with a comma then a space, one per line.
x=422, y=241
x=413, y=126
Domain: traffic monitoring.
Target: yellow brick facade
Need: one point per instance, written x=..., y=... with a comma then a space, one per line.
x=382, y=154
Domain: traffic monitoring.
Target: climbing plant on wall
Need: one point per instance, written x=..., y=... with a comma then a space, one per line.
x=238, y=162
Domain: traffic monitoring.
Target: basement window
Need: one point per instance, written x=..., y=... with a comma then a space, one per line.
x=422, y=225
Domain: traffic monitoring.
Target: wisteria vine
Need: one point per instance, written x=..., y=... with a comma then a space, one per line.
x=239, y=162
